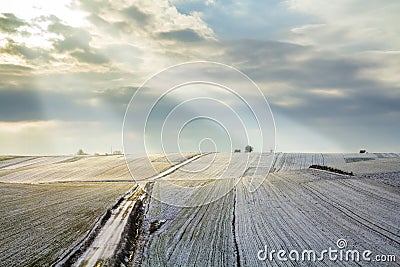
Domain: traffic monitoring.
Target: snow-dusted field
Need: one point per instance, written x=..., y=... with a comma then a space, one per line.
x=87, y=168
x=310, y=210
x=293, y=208
x=295, y=161
x=35, y=162
x=6, y=161
x=42, y=217
x=379, y=165
x=40, y=222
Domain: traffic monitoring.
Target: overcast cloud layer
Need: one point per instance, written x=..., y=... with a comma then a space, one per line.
x=329, y=70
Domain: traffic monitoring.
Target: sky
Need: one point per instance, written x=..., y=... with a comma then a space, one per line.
x=329, y=70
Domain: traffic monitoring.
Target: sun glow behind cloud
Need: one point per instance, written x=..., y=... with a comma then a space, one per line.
x=62, y=9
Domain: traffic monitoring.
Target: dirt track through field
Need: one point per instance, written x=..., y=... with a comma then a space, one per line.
x=104, y=246
x=106, y=242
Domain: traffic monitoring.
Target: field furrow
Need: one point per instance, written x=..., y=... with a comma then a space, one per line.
x=203, y=213
x=300, y=209
x=40, y=222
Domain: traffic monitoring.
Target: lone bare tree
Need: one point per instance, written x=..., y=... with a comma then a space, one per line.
x=248, y=148
x=80, y=152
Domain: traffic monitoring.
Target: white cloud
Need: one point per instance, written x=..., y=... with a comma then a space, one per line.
x=387, y=71
x=32, y=10
x=358, y=30
x=349, y=25
x=154, y=33
x=288, y=101
x=210, y=2
x=17, y=127
x=330, y=92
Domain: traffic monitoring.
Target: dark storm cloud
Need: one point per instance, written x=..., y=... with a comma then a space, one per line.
x=9, y=23
x=17, y=105
x=136, y=14
x=303, y=70
x=74, y=39
x=323, y=91
x=354, y=104
x=26, y=96
x=76, y=42
x=330, y=72
x=90, y=57
x=300, y=65
x=116, y=99
x=113, y=28
x=15, y=76
x=31, y=104
x=125, y=20
x=245, y=19
x=124, y=53
x=13, y=48
x=84, y=81
x=94, y=6
x=263, y=51
x=11, y=69
x=186, y=35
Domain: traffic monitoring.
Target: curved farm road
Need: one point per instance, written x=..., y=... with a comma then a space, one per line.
x=108, y=238
x=106, y=242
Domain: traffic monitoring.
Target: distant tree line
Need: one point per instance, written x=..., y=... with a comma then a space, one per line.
x=247, y=149
x=330, y=169
x=82, y=153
